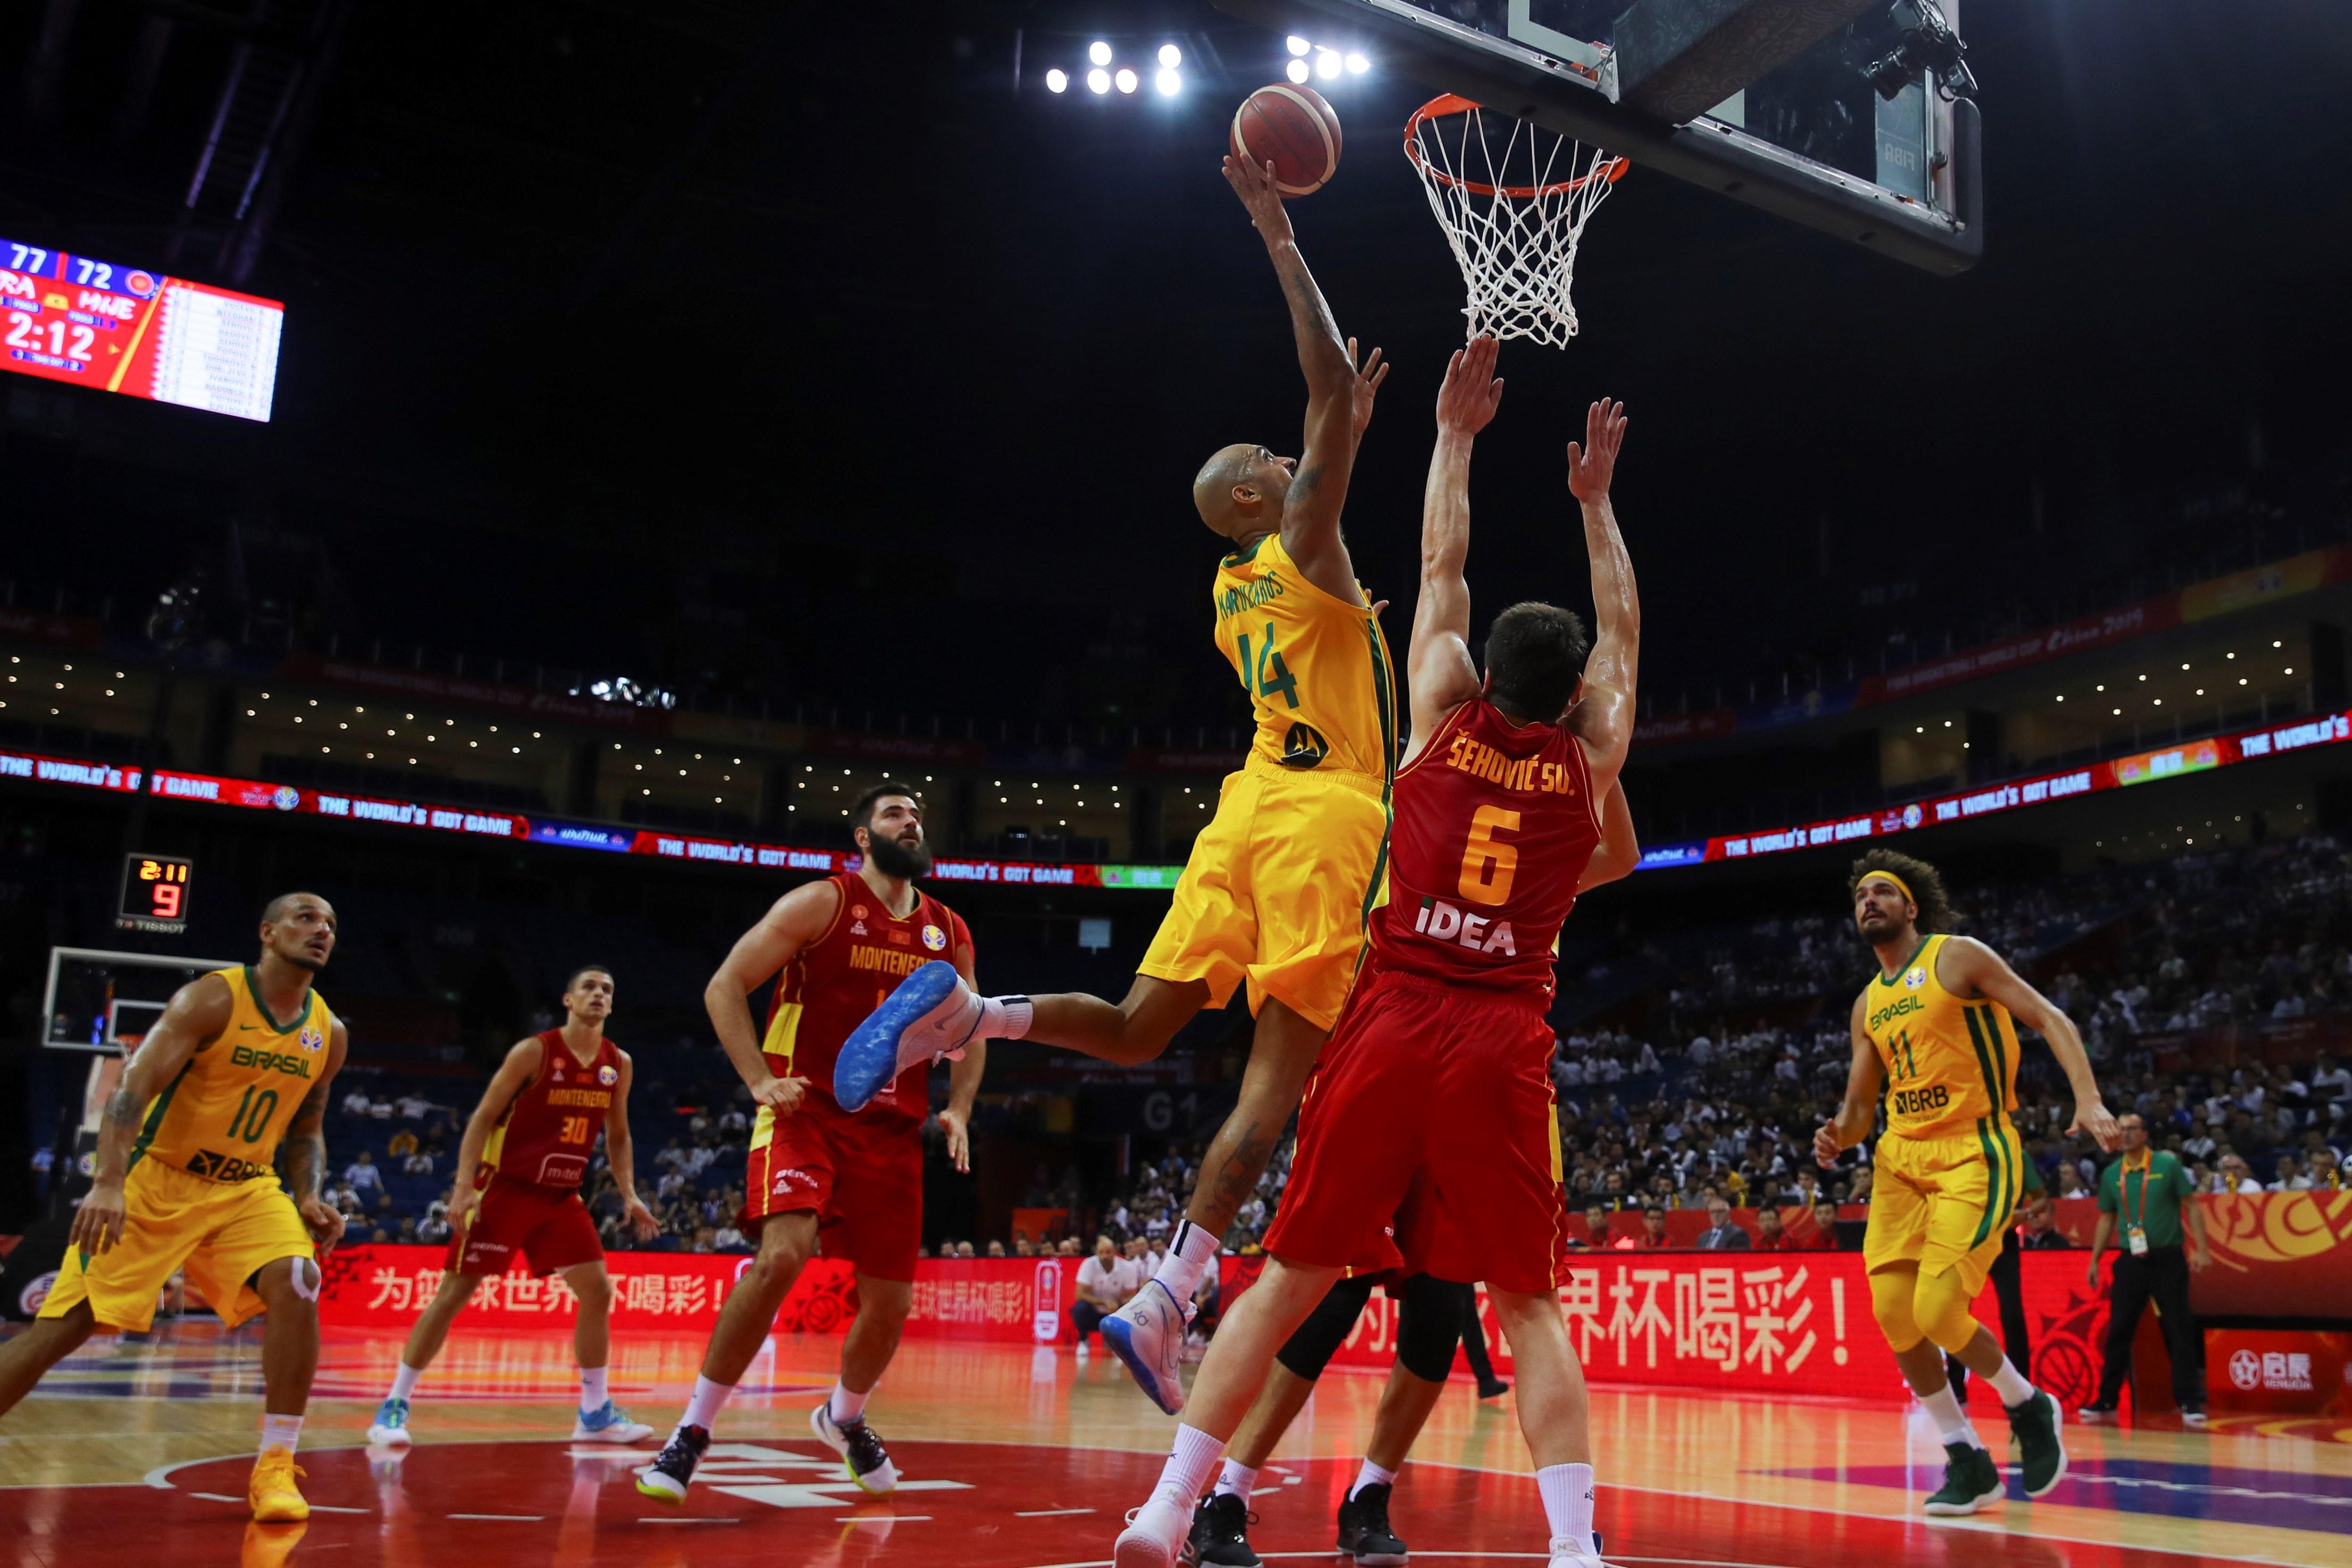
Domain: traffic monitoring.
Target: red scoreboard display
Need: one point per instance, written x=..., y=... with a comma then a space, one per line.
x=75, y=319
x=155, y=893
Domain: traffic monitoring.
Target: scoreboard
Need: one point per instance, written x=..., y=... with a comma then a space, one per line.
x=155, y=893
x=68, y=318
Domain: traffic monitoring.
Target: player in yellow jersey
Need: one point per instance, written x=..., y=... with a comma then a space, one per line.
x=1277, y=888
x=235, y=1070
x=1938, y=1031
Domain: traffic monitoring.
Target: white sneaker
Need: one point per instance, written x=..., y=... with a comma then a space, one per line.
x=1567, y=1551
x=1082, y=1352
x=391, y=1426
x=932, y=1014
x=611, y=1424
x=1148, y=1335
x=1156, y=1533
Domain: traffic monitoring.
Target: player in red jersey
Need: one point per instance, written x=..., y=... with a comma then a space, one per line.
x=820, y=1177
x=1439, y=1061
x=519, y=1167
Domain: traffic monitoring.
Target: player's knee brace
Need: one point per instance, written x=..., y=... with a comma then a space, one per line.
x=1891, y=1292
x=306, y=1279
x=1940, y=1308
x=1311, y=1347
x=1429, y=1326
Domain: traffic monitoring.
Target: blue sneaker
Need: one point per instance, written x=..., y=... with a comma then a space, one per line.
x=931, y=1014
x=391, y=1423
x=1148, y=1335
x=610, y=1424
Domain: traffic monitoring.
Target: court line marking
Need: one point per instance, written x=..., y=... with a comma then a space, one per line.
x=671, y=1519
x=884, y=1519
x=1051, y=1513
x=510, y=1518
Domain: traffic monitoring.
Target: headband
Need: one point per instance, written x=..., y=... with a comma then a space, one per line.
x=1897, y=881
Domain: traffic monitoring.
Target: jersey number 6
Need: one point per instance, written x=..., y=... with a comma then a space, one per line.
x=1488, y=866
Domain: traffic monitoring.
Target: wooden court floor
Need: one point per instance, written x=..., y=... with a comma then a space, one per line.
x=134, y=1456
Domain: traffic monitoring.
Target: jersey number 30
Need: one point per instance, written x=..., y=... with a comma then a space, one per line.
x=1489, y=865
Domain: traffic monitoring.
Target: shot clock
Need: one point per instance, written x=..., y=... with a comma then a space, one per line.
x=155, y=893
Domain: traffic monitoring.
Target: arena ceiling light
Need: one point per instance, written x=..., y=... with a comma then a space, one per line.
x=1169, y=82
x=1126, y=79
x=1099, y=52
x=1057, y=80
x=1297, y=71
x=1098, y=79
x=1327, y=64
x=1171, y=56
x=1297, y=46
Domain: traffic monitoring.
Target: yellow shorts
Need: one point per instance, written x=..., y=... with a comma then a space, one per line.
x=1943, y=1202
x=223, y=1233
x=1278, y=890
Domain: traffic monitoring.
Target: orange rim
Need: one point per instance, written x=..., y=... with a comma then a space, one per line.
x=1612, y=171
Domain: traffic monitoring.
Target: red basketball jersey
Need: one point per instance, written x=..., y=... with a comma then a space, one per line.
x=834, y=981
x=548, y=1129
x=1494, y=824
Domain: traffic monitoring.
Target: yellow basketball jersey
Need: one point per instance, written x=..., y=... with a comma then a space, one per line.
x=222, y=1116
x=1316, y=668
x=1950, y=1064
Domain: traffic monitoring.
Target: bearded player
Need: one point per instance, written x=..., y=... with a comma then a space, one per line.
x=1440, y=1064
x=1276, y=890
x=1936, y=1030
x=822, y=1175
x=519, y=1167
x=187, y=1181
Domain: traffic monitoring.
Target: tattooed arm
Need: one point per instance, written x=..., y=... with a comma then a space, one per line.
x=303, y=1153
x=195, y=1017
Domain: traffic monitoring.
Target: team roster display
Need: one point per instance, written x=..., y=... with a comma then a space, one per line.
x=155, y=893
x=94, y=323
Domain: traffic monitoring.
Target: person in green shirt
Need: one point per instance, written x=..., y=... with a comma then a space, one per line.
x=2147, y=1193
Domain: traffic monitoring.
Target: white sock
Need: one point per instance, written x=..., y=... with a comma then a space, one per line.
x=848, y=1406
x=1568, y=1501
x=1189, y=1464
x=1191, y=1251
x=280, y=1432
x=1372, y=1475
x=1952, y=1425
x=1237, y=1480
x=592, y=1390
x=1005, y=1018
x=2010, y=1385
x=709, y=1398
x=404, y=1381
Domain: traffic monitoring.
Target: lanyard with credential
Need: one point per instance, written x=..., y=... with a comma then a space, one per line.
x=2135, y=1229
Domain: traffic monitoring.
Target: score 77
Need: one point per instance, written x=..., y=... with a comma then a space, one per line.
x=27, y=258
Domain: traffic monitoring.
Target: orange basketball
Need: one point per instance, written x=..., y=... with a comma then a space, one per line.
x=1293, y=129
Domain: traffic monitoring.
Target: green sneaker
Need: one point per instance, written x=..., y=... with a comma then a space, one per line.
x=2040, y=1453
x=1970, y=1480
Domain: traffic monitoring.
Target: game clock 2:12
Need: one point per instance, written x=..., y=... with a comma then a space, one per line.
x=155, y=892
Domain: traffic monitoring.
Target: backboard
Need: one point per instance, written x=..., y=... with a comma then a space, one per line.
x=1809, y=140
x=97, y=999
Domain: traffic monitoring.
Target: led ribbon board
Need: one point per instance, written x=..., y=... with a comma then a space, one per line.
x=68, y=318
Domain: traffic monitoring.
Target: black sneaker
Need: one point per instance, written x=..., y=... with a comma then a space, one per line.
x=1970, y=1480
x=2097, y=1410
x=1364, y=1532
x=862, y=1452
x=2041, y=1450
x=666, y=1478
x=1221, y=1532
x=1493, y=1390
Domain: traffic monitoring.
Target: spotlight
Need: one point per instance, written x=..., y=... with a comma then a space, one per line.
x=1099, y=52
x=1327, y=63
x=1057, y=80
x=1298, y=45
x=1296, y=71
x=1170, y=56
x=1927, y=46
x=1126, y=79
x=1358, y=65
x=1098, y=79
x=1168, y=82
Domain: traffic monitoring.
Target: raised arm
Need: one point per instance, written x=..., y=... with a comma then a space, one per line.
x=1339, y=397
x=1620, y=851
x=792, y=923
x=304, y=1152
x=621, y=1154
x=1859, y=1109
x=1603, y=720
x=513, y=1076
x=1439, y=671
x=194, y=1016
x=1970, y=969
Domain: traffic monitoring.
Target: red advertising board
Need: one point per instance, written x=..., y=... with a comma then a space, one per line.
x=2282, y=1372
x=1022, y=1301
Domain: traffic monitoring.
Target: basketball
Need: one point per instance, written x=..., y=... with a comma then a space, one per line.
x=1293, y=129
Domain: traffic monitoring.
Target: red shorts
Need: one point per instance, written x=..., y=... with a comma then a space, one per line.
x=862, y=1175
x=1424, y=1080
x=549, y=1224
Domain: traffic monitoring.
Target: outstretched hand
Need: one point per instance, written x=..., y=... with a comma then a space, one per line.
x=1254, y=184
x=1593, y=464
x=1472, y=392
x=1366, y=384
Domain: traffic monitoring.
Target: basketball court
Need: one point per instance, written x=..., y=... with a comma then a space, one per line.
x=1022, y=1459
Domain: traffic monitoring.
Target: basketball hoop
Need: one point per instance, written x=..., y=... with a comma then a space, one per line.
x=1516, y=243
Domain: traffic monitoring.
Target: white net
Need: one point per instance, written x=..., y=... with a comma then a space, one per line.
x=1513, y=199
